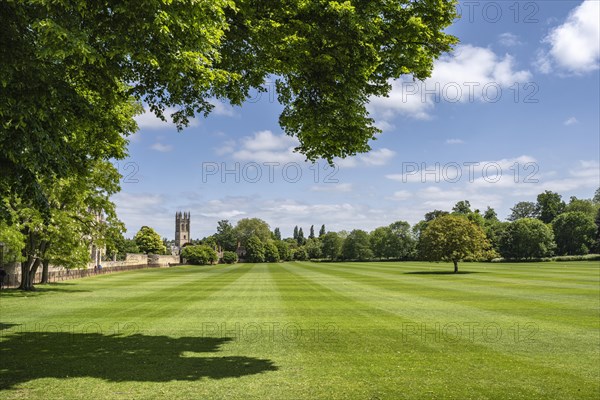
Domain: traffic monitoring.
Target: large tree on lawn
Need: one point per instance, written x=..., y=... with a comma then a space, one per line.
x=64, y=236
x=452, y=238
x=67, y=65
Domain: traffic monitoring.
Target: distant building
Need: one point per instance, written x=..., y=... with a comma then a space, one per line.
x=182, y=229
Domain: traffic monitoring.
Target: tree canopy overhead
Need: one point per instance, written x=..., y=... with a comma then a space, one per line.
x=71, y=71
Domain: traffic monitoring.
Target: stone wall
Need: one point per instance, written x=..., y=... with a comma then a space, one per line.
x=155, y=260
x=132, y=261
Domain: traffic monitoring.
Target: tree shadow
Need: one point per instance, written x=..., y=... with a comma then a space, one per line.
x=441, y=272
x=4, y=326
x=41, y=289
x=25, y=356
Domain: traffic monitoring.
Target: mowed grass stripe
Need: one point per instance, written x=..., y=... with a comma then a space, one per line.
x=125, y=304
x=426, y=350
x=180, y=310
x=455, y=289
x=569, y=342
x=373, y=345
x=559, y=278
x=575, y=309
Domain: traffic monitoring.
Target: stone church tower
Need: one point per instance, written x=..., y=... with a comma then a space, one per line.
x=182, y=228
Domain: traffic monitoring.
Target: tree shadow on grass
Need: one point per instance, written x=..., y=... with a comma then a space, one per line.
x=4, y=326
x=41, y=290
x=441, y=272
x=25, y=356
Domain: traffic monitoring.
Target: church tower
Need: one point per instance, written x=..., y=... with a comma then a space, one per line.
x=182, y=228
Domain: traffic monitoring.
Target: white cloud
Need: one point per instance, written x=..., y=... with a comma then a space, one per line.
x=148, y=120
x=385, y=126
x=470, y=74
x=434, y=197
x=377, y=157
x=163, y=148
x=224, y=214
x=571, y=121
x=337, y=187
x=574, y=45
x=139, y=209
x=227, y=147
x=479, y=173
x=222, y=109
x=508, y=39
x=454, y=141
x=265, y=146
x=401, y=195
x=585, y=176
x=374, y=158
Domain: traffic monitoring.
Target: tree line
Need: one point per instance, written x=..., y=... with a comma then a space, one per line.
x=548, y=227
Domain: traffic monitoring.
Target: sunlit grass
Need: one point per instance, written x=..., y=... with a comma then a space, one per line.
x=308, y=331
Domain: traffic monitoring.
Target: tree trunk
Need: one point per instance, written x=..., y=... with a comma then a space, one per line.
x=25, y=267
x=45, y=266
x=455, y=266
x=32, y=272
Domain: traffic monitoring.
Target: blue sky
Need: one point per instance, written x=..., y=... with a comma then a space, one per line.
x=512, y=112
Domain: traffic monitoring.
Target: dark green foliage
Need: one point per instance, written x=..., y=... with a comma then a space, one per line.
x=300, y=239
x=585, y=206
x=357, y=246
x=271, y=252
x=314, y=248
x=249, y=227
x=255, y=250
x=490, y=214
x=494, y=231
x=332, y=245
x=574, y=233
x=462, y=207
x=283, y=248
x=597, y=222
x=523, y=209
x=199, y=254
x=549, y=206
x=226, y=236
x=322, y=231
x=526, y=238
x=230, y=257
x=300, y=254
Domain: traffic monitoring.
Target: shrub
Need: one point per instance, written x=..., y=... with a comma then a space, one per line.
x=230, y=257
x=199, y=255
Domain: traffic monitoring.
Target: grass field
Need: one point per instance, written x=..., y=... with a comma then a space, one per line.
x=308, y=331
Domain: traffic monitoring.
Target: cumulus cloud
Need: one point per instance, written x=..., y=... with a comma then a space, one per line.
x=574, y=46
x=377, y=157
x=477, y=172
x=470, y=74
x=222, y=109
x=160, y=147
x=571, y=121
x=508, y=39
x=266, y=146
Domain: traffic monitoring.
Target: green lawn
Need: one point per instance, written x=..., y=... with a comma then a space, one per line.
x=308, y=331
